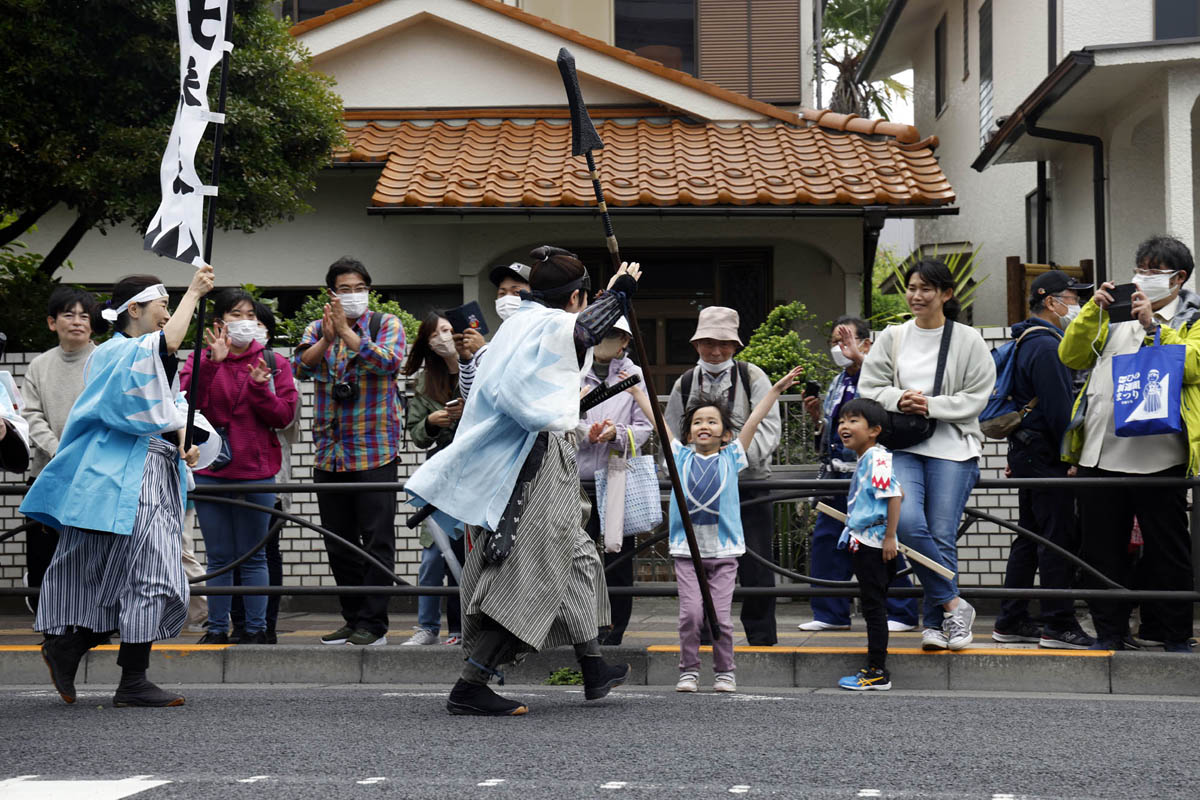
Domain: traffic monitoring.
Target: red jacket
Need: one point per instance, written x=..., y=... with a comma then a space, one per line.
x=249, y=411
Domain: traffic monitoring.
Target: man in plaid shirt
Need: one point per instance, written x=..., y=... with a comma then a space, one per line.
x=354, y=362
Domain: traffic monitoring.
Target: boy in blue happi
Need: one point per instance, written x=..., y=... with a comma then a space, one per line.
x=709, y=460
x=115, y=490
x=873, y=512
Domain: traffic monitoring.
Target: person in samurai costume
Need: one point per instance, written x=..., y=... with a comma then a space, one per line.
x=14, y=435
x=115, y=490
x=533, y=579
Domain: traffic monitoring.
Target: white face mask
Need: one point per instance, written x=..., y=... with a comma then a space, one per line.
x=506, y=306
x=241, y=331
x=1155, y=287
x=715, y=369
x=1072, y=313
x=442, y=344
x=354, y=304
x=839, y=358
x=260, y=336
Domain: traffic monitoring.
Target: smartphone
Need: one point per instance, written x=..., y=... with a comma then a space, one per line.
x=812, y=389
x=454, y=403
x=1121, y=308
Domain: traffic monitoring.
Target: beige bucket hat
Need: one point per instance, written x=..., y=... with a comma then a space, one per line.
x=718, y=322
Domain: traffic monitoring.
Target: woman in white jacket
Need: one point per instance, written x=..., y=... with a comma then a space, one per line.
x=939, y=473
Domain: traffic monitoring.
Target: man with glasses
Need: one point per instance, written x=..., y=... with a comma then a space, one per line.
x=1107, y=514
x=1034, y=452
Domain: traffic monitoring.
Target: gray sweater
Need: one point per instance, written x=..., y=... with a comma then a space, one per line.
x=52, y=382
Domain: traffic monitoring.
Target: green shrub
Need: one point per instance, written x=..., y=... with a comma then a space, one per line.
x=291, y=329
x=565, y=676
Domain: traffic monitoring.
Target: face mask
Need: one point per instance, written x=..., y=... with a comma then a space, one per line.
x=839, y=358
x=1155, y=287
x=715, y=369
x=355, y=304
x=241, y=331
x=506, y=306
x=442, y=344
x=260, y=336
x=1072, y=313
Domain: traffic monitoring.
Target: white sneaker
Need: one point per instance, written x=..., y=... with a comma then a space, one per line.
x=817, y=625
x=933, y=639
x=957, y=625
x=421, y=636
x=725, y=682
x=688, y=682
x=896, y=626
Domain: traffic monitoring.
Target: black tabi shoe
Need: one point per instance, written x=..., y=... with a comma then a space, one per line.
x=140, y=692
x=62, y=655
x=600, y=677
x=478, y=700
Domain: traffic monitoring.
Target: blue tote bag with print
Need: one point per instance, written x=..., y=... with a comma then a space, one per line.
x=1148, y=389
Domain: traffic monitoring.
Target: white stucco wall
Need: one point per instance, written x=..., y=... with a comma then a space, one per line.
x=1094, y=22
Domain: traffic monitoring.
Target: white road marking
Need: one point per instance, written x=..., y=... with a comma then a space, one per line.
x=752, y=697
x=26, y=788
x=614, y=785
x=870, y=793
x=1004, y=797
x=741, y=788
x=491, y=782
x=254, y=779
x=369, y=781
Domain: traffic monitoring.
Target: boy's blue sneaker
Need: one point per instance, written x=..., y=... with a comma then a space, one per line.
x=867, y=680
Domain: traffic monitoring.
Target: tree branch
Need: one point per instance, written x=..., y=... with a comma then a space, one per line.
x=22, y=223
x=55, y=258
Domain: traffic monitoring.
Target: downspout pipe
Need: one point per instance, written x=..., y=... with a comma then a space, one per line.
x=873, y=219
x=1098, y=205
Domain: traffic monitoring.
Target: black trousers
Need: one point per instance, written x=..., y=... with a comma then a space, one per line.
x=1107, y=516
x=758, y=613
x=40, y=543
x=1050, y=512
x=874, y=574
x=369, y=520
x=621, y=605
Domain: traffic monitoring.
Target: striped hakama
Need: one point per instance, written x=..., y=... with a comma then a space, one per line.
x=550, y=590
x=134, y=584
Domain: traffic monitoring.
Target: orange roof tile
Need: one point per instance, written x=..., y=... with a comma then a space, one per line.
x=823, y=117
x=673, y=163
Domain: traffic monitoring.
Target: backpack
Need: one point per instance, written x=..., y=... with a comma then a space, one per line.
x=743, y=368
x=1003, y=415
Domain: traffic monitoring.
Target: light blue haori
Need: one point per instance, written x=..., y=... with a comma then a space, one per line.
x=528, y=383
x=94, y=480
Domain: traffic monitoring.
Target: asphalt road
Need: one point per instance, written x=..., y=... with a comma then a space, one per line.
x=368, y=742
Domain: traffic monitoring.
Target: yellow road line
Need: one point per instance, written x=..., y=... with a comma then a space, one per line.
x=979, y=651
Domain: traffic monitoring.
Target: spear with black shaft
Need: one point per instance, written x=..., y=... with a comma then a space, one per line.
x=585, y=139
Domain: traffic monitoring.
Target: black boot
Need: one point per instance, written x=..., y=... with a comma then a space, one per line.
x=62, y=655
x=600, y=677
x=475, y=699
x=136, y=690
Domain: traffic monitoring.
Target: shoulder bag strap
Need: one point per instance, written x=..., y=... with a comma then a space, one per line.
x=943, y=354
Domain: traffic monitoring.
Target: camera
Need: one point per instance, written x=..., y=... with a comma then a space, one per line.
x=345, y=392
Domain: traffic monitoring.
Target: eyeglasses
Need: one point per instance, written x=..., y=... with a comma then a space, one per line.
x=1149, y=272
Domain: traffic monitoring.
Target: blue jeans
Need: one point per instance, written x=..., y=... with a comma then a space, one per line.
x=429, y=607
x=828, y=562
x=935, y=493
x=229, y=532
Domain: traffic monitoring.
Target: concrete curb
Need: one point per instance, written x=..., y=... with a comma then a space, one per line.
x=982, y=669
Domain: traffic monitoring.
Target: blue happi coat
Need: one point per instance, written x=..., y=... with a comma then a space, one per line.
x=528, y=383
x=95, y=478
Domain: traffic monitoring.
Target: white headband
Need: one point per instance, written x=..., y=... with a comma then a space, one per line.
x=144, y=296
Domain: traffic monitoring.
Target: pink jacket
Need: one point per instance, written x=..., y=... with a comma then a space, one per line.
x=249, y=411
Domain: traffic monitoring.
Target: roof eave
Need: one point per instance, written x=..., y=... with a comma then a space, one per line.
x=891, y=211
x=1069, y=72
x=891, y=15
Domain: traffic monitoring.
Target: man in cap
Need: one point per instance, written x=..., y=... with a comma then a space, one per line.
x=741, y=386
x=510, y=280
x=1033, y=452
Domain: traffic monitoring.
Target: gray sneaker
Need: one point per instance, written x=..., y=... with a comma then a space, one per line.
x=957, y=624
x=421, y=636
x=933, y=639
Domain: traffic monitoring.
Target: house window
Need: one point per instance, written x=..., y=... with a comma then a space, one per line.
x=987, y=113
x=663, y=30
x=966, y=40
x=300, y=10
x=1031, y=224
x=939, y=67
x=1176, y=19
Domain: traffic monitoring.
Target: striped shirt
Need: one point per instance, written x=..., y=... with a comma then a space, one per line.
x=365, y=433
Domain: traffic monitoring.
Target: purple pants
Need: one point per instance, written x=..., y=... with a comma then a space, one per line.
x=721, y=574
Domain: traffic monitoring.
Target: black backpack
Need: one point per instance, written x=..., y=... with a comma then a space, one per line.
x=743, y=368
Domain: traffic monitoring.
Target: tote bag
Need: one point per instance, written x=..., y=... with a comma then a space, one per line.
x=642, y=508
x=1147, y=390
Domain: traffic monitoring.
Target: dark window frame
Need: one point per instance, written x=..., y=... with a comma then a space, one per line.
x=940, y=89
x=1176, y=8
x=695, y=38
x=987, y=84
x=966, y=28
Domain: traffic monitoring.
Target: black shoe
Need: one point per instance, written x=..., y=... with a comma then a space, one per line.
x=135, y=690
x=600, y=677
x=478, y=700
x=1025, y=630
x=1074, y=639
x=237, y=634
x=258, y=637
x=1108, y=644
x=613, y=638
x=62, y=655
x=272, y=638
x=214, y=638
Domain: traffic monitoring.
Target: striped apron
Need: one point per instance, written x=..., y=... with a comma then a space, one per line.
x=550, y=591
x=133, y=584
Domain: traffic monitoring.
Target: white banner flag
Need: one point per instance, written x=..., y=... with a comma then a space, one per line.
x=177, y=230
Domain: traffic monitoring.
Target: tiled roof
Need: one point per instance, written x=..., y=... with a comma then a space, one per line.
x=824, y=118
x=644, y=163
